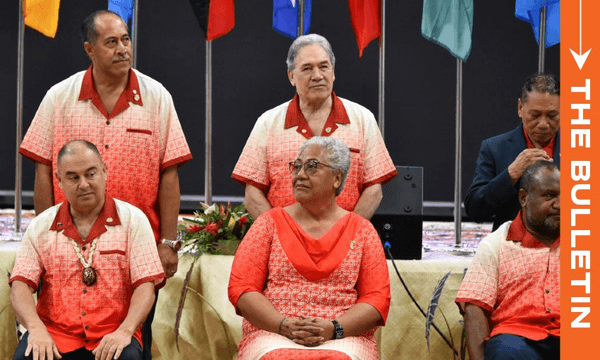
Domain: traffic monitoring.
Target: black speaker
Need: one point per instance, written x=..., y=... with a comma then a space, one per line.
x=399, y=218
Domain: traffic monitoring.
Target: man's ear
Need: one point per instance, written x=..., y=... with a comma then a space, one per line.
x=87, y=47
x=523, y=197
x=58, y=178
x=291, y=77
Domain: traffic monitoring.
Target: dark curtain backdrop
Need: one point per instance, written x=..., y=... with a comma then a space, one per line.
x=249, y=76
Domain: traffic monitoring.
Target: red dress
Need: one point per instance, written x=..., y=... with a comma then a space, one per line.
x=301, y=275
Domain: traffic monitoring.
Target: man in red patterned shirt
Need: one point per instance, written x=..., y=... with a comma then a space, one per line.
x=510, y=296
x=98, y=264
x=131, y=118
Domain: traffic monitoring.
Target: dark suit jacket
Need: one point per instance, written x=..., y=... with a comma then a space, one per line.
x=491, y=191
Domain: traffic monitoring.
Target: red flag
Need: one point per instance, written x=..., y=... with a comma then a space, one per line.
x=366, y=21
x=216, y=17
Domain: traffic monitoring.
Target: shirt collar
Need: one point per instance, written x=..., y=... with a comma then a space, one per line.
x=131, y=94
x=518, y=232
x=294, y=117
x=107, y=217
x=549, y=148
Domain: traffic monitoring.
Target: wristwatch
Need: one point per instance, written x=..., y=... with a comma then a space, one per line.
x=173, y=244
x=338, y=331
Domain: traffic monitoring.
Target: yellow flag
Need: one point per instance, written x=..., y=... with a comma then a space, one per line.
x=42, y=15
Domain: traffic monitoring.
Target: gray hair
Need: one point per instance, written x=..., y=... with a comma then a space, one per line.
x=303, y=41
x=542, y=83
x=338, y=156
x=530, y=177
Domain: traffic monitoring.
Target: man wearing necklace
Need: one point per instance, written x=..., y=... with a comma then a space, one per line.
x=98, y=264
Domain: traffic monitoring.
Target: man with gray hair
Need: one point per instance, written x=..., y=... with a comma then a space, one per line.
x=315, y=111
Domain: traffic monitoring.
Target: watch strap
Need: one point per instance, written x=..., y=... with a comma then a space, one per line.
x=338, y=331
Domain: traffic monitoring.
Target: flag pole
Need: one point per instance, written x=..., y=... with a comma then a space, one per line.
x=18, y=234
x=542, y=43
x=134, y=32
x=208, y=129
x=300, y=18
x=458, y=159
x=382, y=72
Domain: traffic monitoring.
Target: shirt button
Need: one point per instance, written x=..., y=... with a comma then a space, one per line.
x=108, y=123
x=552, y=319
x=548, y=309
x=83, y=248
x=86, y=327
x=85, y=291
x=86, y=340
x=547, y=291
x=83, y=313
x=106, y=146
x=304, y=131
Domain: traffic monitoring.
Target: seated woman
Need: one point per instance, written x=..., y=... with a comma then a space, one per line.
x=311, y=279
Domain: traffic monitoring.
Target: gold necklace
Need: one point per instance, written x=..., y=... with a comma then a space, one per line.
x=88, y=275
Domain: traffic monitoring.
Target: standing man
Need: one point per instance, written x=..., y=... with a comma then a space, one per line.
x=510, y=297
x=98, y=262
x=314, y=111
x=503, y=158
x=130, y=118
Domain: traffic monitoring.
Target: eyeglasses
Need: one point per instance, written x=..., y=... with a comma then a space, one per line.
x=310, y=166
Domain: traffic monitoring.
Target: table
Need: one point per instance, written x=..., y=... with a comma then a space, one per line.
x=210, y=329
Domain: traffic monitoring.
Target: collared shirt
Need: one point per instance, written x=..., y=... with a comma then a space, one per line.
x=140, y=138
x=279, y=133
x=516, y=279
x=549, y=148
x=125, y=256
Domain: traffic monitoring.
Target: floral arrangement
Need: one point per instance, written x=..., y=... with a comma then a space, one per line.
x=215, y=229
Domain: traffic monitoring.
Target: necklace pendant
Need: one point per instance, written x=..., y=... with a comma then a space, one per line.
x=88, y=276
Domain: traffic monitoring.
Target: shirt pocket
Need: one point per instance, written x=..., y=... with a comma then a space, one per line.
x=111, y=256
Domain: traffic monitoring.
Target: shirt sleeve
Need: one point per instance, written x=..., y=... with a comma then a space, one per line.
x=379, y=167
x=144, y=262
x=250, y=265
x=28, y=263
x=480, y=285
x=373, y=284
x=38, y=141
x=252, y=166
x=176, y=149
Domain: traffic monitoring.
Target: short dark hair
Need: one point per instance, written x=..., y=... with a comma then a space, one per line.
x=88, y=27
x=528, y=179
x=543, y=83
x=65, y=149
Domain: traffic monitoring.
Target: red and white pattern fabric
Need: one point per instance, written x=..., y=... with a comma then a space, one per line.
x=77, y=315
x=279, y=133
x=141, y=137
x=516, y=279
x=262, y=264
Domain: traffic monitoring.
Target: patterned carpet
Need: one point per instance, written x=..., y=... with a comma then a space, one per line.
x=436, y=235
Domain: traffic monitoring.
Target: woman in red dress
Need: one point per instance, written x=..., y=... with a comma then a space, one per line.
x=311, y=279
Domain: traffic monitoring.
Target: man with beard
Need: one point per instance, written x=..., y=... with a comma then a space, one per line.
x=510, y=297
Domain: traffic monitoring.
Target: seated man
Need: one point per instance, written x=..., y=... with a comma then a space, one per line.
x=503, y=158
x=98, y=264
x=510, y=297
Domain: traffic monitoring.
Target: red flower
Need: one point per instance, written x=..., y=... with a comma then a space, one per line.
x=194, y=228
x=212, y=228
x=243, y=220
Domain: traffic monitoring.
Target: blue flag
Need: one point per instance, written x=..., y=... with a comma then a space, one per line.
x=449, y=23
x=529, y=10
x=122, y=7
x=285, y=17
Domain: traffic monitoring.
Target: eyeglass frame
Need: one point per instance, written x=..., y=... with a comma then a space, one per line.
x=309, y=161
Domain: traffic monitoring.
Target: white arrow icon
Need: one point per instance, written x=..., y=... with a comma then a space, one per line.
x=580, y=58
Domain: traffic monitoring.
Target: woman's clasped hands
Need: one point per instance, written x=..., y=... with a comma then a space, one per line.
x=307, y=331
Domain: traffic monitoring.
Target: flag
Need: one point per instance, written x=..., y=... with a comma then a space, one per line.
x=124, y=8
x=285, y=17
x=216, y=17
x=365, y=16
x=529, y=10
x=449, y=23
x=42, y=15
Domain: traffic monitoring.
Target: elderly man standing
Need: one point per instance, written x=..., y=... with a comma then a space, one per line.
x=315, y=111
x=130, y=118
x=98, y=263
x=510, y=295
x=503, y=158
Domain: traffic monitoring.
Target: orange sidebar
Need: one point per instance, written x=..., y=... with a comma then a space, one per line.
x=580, y=178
